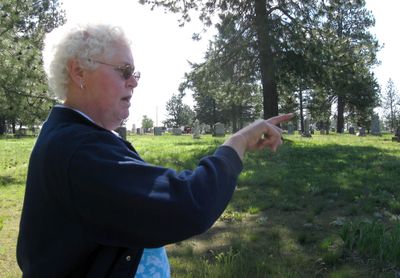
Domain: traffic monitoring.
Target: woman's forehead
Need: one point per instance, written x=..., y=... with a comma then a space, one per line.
x=120, y=53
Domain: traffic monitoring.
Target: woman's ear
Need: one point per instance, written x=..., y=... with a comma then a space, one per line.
x=76, y=73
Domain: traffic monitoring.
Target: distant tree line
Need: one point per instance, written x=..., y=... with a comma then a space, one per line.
x=267, y=57
x=280, y=56
x=391, y=106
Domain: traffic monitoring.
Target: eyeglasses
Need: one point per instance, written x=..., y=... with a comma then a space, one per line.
x=127, y=70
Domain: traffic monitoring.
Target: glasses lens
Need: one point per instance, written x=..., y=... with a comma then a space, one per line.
x=126, y=71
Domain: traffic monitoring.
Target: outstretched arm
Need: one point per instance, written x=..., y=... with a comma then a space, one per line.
x=258, y=135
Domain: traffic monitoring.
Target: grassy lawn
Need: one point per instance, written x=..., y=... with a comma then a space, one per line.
x=14, y=156
x=326, y=206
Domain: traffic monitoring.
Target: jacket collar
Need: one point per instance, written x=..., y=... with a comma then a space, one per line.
x=63, y=114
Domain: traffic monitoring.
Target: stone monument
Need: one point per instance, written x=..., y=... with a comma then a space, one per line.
x=290, y=128
x=196, y=130
x=361, y=131
x=121, y=132
x=176, y=131
x=157, y=131
x=306, y=132
x=375, y=129
x=219, y=130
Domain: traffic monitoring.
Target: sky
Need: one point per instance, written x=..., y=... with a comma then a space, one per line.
x=162, y=50
x=387, y=21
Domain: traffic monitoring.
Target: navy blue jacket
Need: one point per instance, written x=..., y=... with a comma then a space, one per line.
x=92, y=204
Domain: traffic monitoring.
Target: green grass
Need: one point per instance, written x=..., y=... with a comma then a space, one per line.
x=374, y=240
x=14, y=156
x=326, y=206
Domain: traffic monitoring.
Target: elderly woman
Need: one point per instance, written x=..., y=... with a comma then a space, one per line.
x=92, y=205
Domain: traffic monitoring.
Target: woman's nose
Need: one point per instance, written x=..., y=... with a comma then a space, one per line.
x=132, y=82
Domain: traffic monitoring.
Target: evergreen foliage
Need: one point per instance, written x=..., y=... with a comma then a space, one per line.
x=283, y=49
x=23, y=86
x=179, y=114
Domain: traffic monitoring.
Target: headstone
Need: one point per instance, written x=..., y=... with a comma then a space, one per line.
x=140, y=131
x=122, y=132
x=219, y=130
x=375, y=129
x=290, y=129
x=176, y=131
x=133, y=128
x=207, y=129
x=361, y=131
x=196, y=130
x=333, y=124
x=157, y=131
x=20, y=132
x=324, y=128
x=352, y=130
x=306, y=132
x=203, y=128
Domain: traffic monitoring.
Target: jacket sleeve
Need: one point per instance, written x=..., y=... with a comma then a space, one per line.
x=123, y=201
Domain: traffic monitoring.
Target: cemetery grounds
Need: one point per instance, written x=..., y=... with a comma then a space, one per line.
x=326, y=206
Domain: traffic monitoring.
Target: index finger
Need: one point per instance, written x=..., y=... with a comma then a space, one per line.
x=280, y=119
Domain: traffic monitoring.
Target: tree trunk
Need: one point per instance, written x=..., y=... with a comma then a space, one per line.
x=13, y=127
x=234, y=118
x=215, y=117
x=301, y=111
x=392, y=118
x=270, y=95
x=2, y=125
x=340, y=100
x=340, y=115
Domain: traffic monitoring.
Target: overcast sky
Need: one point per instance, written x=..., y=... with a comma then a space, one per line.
x=162, y=49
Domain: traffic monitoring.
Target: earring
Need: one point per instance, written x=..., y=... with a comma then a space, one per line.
x=82, y=84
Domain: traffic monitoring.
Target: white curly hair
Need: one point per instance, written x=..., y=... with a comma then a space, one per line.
x=82, y=42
